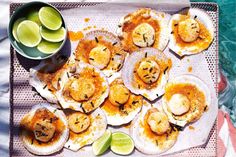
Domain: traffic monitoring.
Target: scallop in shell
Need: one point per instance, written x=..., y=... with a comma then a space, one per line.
x=185, y=100
x=146, y=72
x=192, y=31
x=44, y=130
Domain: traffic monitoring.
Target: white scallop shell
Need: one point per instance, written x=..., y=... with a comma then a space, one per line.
x=117, y=119
x=161, y=17
x=187, y=78
x=143, y=143
x=75, y=105
x=96, y=128
x=56, y=146
x=127, y=73
x=203, y=17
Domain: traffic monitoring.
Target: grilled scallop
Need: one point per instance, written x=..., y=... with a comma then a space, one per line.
x=101, y=49
x=145, y=72
x=83, y=88
x=121, y=105
x=144, y=28
x=192, y=31
x=152, y=132
x=44, y=130
x=85, y=128
x=185, y=100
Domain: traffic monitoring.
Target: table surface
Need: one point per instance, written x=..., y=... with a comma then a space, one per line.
x=227, y=55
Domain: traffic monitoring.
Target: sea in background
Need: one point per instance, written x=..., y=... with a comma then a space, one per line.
x=227, y=53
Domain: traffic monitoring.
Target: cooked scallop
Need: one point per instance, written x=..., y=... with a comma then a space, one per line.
x=78, y=122
x=121, y=105
x=151, y=131
x=192, y=31
x=85, y=129
x=45, y=77
x=185, y=100
x=145, y=72
x=83, y=88
x=44, y=130
x=101, y=49
x=144, y=28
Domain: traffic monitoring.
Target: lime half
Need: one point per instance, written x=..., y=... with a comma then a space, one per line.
x=28, y=33
x=48, y=47
x=33, y=15
x=122, y=143
x=14, y=29
x=50, y=18
x=102, y=144
x=53, y=36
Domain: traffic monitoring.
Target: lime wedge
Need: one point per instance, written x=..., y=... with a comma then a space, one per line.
x=48, y=47
x=14, y=29
x=53, y=36
x=33, y=15
x=28, y=33
x=122, y=143
x=102, y=144
x=50, y=18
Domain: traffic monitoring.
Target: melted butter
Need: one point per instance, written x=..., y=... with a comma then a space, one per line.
x=86, y=19
x=75, y=36
x=190, y=69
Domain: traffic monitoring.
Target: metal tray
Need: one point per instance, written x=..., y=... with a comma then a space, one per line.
x=23, y=96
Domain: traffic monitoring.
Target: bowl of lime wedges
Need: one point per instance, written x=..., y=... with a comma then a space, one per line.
x=37, y=30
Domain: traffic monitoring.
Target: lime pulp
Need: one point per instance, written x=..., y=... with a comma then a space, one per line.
x=53, y=36
x=15, y=26
x=48, y=47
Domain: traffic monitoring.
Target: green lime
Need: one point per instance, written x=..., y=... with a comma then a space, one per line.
x=14, y=29
x=50, y=18
x=28, y=33
x=102, y=144
x=53, y=36
x=33, y=15
x=48, y=47
x=122, y=143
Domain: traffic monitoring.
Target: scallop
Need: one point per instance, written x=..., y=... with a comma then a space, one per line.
x=95, y=129
x=192, y=31
x=83, y=88
x=144, y=28
x=151, y=131
x=121, y=106
x=45, y=76
x=146, y=72
x=101, y=49
x=185, y=100
x=44, y=130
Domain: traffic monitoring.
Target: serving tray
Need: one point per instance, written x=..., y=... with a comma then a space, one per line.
x=23, y=96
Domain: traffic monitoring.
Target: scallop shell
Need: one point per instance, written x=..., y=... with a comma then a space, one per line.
x=50, y=149
x=187, y=78
x=38, y=84
x=96, y=130
x=144, y=143
x=161, y=17
x=116, y=61
x=203, y=17
x=72, y=104
x=127, y=73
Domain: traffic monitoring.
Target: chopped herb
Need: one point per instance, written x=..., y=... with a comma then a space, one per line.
x=145, y=75
x=118, y=67
x=119, y=25
x=139, y=86
x=85, y=96
x=118, y=54
x=112, y=59
x=92, y=104
x=91, y=59
x=44, y=86
x=157, y=142
x=121, y=107
x=205, y=108
x=77, y=59
x=82, y=126
x=83, y=108
x=96, y=39
x=146, y=55
x=144, y=39
x=114, y=43
x=49, y=89
x=195, y=16
x=150, y=70
x=157, y=95
x=32, y=141
x=67, y=74
x=68, y=146
x=145, y=68
x=134, y=102
x=159, y=122
x=171, y=32
x=176, y=24
x=165, y=70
